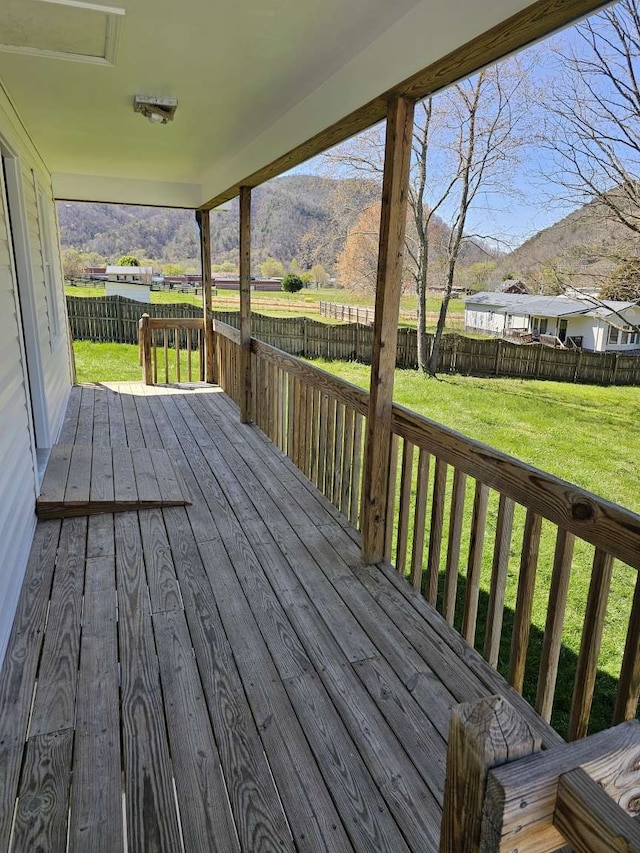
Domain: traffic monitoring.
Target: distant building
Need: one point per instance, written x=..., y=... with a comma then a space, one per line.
x=608, y=327
x=514, y=285
x=130, y=282
x=138, y=275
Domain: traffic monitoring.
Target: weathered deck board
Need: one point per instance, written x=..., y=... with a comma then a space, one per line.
x=250, y=687
x=97, y=796
x=91, y=479
x=19, y=672
x=54, y=704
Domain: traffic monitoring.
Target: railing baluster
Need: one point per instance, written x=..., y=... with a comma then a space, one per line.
x=154, y=355
x=420, y=518
x=338, y=450
x=290, y=424
x=356, y=467
x=201, y=354
x=391, y=497
x=165, y=334
x=329, y=452
x=347, y=460
x=305, y=422
x=404, y=511
x=435, y=536
x=590, y=644
x=556, y=606
x=629, y=684
x=474, y=562
x=189, y=372
x=275, y=401
x=504, y=527
x=524, y=601
x=176, y=341
x=453, y=545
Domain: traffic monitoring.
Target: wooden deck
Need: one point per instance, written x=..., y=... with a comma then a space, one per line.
x=223, y=676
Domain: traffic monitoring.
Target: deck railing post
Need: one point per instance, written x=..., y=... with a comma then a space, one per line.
x=393, y=217
x=245, y=384
x=144, y=334
x=204, y=224
x=482, y=735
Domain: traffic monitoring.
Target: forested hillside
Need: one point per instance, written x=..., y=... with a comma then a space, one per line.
x=300, y=216
x=580, y=250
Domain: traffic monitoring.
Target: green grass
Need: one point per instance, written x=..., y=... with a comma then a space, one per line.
x=119, y=363
x=106, y=362
x=584, y=434
x=581, y=433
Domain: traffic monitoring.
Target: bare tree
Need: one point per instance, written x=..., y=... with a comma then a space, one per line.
x=593, y=114
x=465, y=143
x=485, y=123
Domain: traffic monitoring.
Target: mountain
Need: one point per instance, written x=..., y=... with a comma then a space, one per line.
x=292, y=216
x=580, y=250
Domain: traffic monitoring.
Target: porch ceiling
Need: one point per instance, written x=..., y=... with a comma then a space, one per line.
x=254, y=80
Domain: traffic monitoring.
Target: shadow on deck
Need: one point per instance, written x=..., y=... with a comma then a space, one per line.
x=226, y=675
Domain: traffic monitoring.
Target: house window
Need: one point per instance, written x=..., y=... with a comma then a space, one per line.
x=613, y=335
x=624, y=338
x=47, y=266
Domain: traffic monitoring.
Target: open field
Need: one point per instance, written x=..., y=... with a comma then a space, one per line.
x=583, y=434
x=305, y=303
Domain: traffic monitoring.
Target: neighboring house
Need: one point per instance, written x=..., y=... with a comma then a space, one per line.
x=130, y=282
x=136, y=275
x=514, y=285
x=608, y=327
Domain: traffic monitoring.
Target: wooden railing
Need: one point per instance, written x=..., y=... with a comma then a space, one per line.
x=532, y=509
x=314, y=418
x=483, y=536
x=171, y=349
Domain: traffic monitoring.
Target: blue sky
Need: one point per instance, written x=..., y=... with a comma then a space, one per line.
x=534, y=202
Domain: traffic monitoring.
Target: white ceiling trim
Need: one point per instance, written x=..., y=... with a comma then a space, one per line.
x=68, y=187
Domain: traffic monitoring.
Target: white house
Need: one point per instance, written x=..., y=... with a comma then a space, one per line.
x=130, y=282
x=607, y=327
x=135, y=275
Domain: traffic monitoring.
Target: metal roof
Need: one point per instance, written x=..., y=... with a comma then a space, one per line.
x=535, y=306
x=547, y=306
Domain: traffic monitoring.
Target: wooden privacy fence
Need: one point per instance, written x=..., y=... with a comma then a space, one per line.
x=463, y=518
x=116, y=319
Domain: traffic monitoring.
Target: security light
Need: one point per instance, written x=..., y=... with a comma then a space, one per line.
x=157, y=110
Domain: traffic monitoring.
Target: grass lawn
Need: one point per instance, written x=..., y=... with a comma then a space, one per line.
x=584, y=434
x=106, y=362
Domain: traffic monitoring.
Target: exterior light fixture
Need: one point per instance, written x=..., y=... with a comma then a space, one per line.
x=157, y=110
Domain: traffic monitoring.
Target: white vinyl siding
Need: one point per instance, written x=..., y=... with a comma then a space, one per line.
x=17, y=479
x=41, y=292
x=53, y=310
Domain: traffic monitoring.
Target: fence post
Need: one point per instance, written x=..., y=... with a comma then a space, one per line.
x=482, y=735
x=615, y=369
x=119, y=322
x=144, y=335
x=304, y=337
